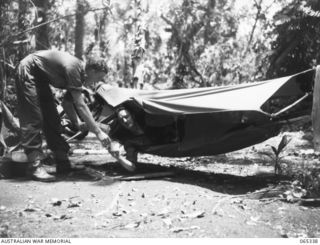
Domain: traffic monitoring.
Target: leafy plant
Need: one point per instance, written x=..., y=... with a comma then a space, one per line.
x=308, y=175
x=295, y=192
x=275, y=154
x=295, y=48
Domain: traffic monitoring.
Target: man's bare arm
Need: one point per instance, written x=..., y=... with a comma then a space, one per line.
x=71, y=112
x=88, y=118
x=93, y=127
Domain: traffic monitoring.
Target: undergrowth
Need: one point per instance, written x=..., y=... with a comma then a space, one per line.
x=306, y=176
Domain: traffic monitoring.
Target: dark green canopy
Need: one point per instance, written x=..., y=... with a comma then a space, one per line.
x=214, y=120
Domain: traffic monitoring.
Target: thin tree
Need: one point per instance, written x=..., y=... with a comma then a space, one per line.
x=79, y=29
x=42, y=38
x=184, y=29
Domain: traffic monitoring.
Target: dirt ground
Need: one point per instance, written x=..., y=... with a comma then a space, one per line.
x=196, y=197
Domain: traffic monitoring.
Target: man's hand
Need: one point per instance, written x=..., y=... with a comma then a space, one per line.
x=114, y=149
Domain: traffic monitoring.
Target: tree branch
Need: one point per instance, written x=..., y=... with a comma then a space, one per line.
x=183, y=51
x=258, y=5
x=172, y=25
x=175, y=32
x=194, y=69
x=45, y=23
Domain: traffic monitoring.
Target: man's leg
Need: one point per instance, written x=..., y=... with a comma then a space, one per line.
x=31, y=122
x=52, y=128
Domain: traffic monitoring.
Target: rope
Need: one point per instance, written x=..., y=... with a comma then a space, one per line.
x=273, y=115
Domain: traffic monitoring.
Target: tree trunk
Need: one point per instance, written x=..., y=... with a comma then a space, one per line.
x=2, y=84
x=42, y=39
x=79, y=29
x=22, y=49
x=101, y=30
x=316, y=111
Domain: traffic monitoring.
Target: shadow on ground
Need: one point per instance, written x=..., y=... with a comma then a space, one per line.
x=111, y=172
x=222, y=183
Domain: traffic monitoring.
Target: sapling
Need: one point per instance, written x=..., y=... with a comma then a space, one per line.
x=275, y=154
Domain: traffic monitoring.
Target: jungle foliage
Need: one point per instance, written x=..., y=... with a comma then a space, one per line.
x=182, y=44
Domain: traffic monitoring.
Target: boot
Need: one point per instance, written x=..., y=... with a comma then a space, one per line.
x=63, y=163
x=37, y=172
x=65, y=167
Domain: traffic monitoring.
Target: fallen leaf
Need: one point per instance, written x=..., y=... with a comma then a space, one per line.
x=74, y=205
x=243, y=207
x=48, y=215
x=56, y=202
x=133, y=225
x=64, y=217
x=180, y=229
x=177, y=230
x=283, y=234
x=117, y=214
x=163, y=213
x=197, y=214
x=30, y=210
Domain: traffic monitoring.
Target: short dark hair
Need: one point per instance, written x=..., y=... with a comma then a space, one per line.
x=97, y=64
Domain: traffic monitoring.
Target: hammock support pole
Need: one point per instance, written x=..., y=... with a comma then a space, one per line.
x=316, y=111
